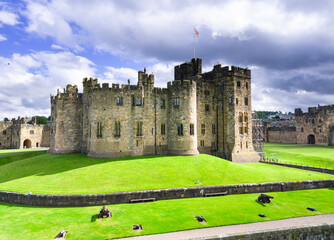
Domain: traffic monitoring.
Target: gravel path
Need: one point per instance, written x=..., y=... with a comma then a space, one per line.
x=240, y=228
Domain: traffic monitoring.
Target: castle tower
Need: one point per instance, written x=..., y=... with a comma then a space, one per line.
x=182, y=114
x=66, y=109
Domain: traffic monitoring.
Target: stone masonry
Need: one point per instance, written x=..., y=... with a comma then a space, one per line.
x=22, y=133
x=197, y=113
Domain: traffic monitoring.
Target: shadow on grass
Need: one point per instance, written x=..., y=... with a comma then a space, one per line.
x=94, y=217
x=49, y=164
x=258, y=202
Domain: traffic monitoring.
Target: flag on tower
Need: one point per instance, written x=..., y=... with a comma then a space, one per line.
x=195, y=31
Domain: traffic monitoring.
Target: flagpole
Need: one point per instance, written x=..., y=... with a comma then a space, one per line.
x=194, y=43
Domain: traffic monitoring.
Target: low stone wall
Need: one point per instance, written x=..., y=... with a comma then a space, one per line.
x=318, y=232
x=315, y=169
x=158, y=194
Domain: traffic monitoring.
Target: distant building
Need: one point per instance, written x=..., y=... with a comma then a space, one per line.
x=197, y=113
x=23, y=133
x=313, y=127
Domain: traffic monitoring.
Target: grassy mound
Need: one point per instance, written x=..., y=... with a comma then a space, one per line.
x=6, y=152
x=78, y=174
x=310, y=155
x=25, y=222
x=4, y=159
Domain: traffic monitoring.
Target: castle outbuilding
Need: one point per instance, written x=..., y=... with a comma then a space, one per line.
x=197, y=113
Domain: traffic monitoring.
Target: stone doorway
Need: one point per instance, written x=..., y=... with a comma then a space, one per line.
x=37, y=144
x=311, y=139
x=27, y=143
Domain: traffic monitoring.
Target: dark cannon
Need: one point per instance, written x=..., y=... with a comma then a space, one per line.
x=104, y=213
x=264, y=198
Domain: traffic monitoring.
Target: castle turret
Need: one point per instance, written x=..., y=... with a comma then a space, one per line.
x=182, y=114
x=66, y=109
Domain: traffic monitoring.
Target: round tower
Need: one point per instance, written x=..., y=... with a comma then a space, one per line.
x=182, y=118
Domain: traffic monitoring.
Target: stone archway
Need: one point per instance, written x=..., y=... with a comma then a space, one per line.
x=311, y=139
x=27, y=143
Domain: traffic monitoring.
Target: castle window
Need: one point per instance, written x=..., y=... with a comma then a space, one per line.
x=4, y=133
x=246, y=85
x=319, y=129
x=162, y=103
x=176, y=102
x=246, y=101
x=236, y=101
x=202, y=143
x=99, y=129
x=313, y=121
x=240, y=130
x=246, y=144
x=230, y=100
x=139, y=128
x=203, y=129
x=240, y=144
x=117, y=129
x=314, y=130
x=302, y=129
x=246, y=117
x=213, y=145
x=246, y=130
x=240, y=117
x=192, y=129
x=238, y=84
x=213, y=129
x=32, y=131
x=18, y=132
x=119, y=101
x=207, y=107
x=180, y=129
x=138, y=101
x=319, y=120
x=163, y=129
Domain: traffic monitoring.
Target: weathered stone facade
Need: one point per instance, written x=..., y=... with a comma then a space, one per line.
x=197, y=112
x=18, y=133
x=281, y=134
x=315, y=126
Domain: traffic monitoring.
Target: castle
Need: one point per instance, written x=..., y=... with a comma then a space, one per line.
x=197, y=113
x=23, y=133
x=313, y=127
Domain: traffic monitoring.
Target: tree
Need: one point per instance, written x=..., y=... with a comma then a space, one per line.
x=41, y=120
x=6, y=119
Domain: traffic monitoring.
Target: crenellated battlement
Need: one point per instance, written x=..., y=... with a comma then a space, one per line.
x=188, y=70
x=218, y=71
x=178, y=83
x=314, y=110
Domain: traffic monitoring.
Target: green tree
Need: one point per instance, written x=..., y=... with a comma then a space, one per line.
x=41, y=120
x=6, y=119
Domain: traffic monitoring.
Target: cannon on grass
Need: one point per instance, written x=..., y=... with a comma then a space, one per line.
x=264, y=198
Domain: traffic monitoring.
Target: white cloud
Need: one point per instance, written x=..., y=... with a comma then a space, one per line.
x=2, y=38
x=8, y=18
x=28, y=80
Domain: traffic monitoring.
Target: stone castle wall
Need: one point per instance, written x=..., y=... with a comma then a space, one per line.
x=282, y=134
x=97, y=124
x=19, y=134
x=316, y=124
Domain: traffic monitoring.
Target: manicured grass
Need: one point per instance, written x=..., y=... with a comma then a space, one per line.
x=78, y=174
x=274, y=143
x=19, y=156
x=5, y=152
x=310, y=155
x=25, y=222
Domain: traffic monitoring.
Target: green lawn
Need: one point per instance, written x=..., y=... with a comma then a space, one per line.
x=311, y=155
x=5, y=152
x=274, y=143
x=4, y=159
x=78, y=174
x=26, y=222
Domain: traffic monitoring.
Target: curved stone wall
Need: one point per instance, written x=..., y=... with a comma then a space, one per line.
x=158, y=194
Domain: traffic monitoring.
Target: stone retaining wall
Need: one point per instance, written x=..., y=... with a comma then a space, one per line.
x=315, y=169
x=317, y=232
x=158, y=194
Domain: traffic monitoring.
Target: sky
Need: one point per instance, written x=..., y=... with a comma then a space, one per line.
x=45, y=45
